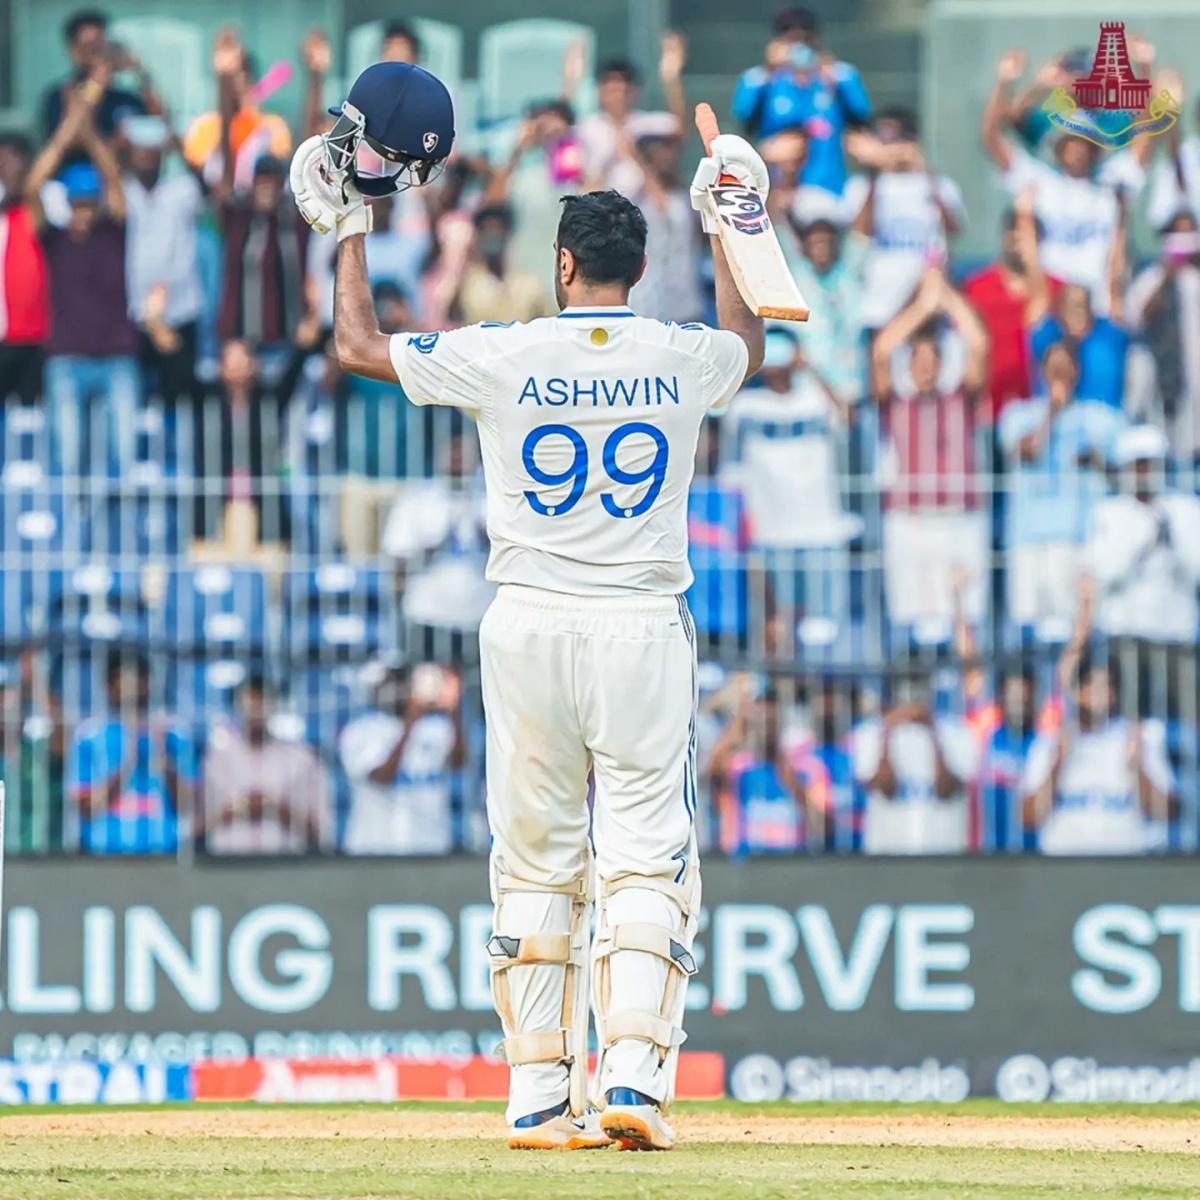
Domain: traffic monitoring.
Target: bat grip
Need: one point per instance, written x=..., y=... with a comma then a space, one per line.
x=707, y=127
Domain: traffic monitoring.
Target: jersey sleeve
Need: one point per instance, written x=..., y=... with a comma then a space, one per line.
x=448, y=368
x=723, y=362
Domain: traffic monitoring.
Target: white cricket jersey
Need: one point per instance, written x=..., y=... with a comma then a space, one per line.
x=588, y=423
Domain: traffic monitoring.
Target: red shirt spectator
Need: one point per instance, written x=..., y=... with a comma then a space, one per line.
x=998, y=295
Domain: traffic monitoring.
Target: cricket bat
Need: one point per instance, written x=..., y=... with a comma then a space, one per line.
x=748, y=236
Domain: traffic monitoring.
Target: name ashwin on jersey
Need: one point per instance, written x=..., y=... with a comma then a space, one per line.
x=644, y=391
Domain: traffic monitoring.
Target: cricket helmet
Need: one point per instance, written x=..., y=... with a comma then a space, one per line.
x=404, y=118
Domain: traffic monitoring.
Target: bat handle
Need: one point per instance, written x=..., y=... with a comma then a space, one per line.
x=707, y=127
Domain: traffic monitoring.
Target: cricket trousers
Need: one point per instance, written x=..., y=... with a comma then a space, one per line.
x=572, y=686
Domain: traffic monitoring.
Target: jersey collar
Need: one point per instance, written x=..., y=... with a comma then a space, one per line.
x=607, y=311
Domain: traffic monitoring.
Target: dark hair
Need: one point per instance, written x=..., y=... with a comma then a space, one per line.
x=539, y=108
x=620, y=67
x=400, y=29
x=388, y=289
x=495, y=212
x=817, y=225
x=927, y=331
x=82, y=19
x=118, y=660
x=1090, y=661
x=904, y=117
x=269, y=165
x=795, y=19
x=607, y=235
x=255, y=680
x=18, y=142
x=1008, y=222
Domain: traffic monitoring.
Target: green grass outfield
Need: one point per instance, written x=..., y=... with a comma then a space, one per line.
x=106, y=1154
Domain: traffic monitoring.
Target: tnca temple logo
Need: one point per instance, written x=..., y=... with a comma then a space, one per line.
x=1111, y=105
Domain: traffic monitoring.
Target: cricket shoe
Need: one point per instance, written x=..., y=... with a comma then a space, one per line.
x=633, y=1121
x=555, y=1129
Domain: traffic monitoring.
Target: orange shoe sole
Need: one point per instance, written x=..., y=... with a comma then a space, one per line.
x=629, y=1132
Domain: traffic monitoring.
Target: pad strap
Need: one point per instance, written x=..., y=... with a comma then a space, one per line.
x=642, y=1027
x=650, y=939
x=506, y=951
x=544, y=1046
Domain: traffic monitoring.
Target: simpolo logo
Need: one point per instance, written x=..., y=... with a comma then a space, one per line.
x=760, y=1077
x=1026, y=1079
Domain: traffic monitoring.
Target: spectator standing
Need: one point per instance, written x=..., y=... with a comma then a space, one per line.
x=90, y=354
x=1075, y=199
x=1175, y=182
x=908, y=212
x=915, y=768
x=824, y=763
x=491, y=289
x=131, y=776
x=437, y=533
x=1011, y=295
x=94, y=57
x=1056, y=448
x=789, y=433
x=162, y=277
x=24, y=277
x=1101, y=784
x=933, y=524
x=608, y=138
x=1143, y=547
x=400, y=758
x=546, y=161
x=669, y=289
x=400, y=43
x=718, y=537
x=32, y=758
x=762, y=804
x=226, y=145
x=262, y=794
x=1101, y=343
x=799, y=84
x=829, y=266
x=1164, y=306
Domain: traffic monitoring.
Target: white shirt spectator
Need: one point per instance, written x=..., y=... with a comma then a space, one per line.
x=789, y=478
x=412, y=814
x=1146, y=558
x=670, y=288
x=1079, y=216
x=265, y=798
x=161, y=246
x=907, y=236
x=1095, y=810
x=607, y=146
x=1180, y=414
x=916, y=821
x=442, y=521
x=1166, y=198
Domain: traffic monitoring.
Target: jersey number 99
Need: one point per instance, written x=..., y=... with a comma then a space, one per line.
x=577, y=472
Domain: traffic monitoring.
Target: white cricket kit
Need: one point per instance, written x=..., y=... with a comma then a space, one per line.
x=588, y=424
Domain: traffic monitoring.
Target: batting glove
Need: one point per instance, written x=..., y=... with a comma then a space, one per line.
x=728, y=155
x=324, y=202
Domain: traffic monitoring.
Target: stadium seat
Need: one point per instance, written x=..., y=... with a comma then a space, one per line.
x=98, y=605
x=179, y=50
x=214, y=610
x=522, y=61
x=339, y=612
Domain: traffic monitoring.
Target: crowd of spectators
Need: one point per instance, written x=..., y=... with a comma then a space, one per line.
x=946, y=543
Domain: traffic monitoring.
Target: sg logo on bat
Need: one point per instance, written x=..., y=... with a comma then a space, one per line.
x=742, y=208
